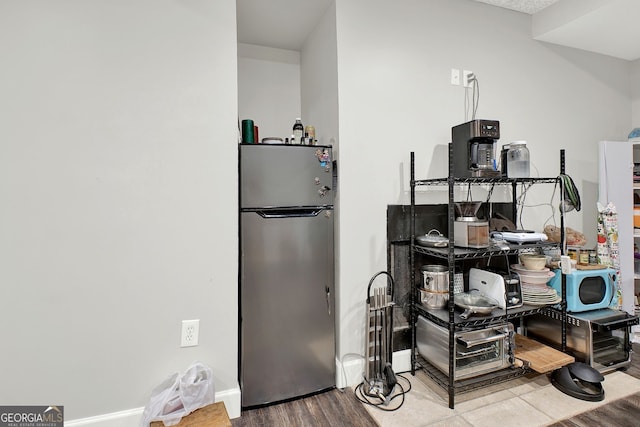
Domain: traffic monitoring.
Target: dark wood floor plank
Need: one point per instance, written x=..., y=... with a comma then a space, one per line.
x=333, y=408
x=313, y=408
x=618, y=413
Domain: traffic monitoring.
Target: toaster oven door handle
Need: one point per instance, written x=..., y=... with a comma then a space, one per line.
x=472, y=343
x=616, y=324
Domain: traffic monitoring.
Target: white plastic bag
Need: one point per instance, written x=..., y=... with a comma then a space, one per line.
x=179, y=395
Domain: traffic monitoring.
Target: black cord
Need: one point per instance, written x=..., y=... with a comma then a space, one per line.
x=379, y=403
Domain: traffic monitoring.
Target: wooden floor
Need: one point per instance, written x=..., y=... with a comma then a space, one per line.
x=335, y=408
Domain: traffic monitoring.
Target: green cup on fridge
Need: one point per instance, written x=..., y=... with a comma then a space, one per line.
x=247, y=131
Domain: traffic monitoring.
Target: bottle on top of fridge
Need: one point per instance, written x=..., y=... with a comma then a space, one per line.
x=518, y=160
x=298, y=130
x=311, y=131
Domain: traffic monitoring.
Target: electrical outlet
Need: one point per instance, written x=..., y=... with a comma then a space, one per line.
x=190, y=331
x=455, y=76
x=467, y=78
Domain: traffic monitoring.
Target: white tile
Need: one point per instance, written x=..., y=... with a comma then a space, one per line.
x=529, y=401
x=527, y=384
x=618, y=384
x=457, y=421
x=480, y=401
x=513, y=412
x=415, y=412
x=556, y=404
x=421, y=407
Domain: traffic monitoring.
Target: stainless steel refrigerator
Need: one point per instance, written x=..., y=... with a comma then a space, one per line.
x=287, y=323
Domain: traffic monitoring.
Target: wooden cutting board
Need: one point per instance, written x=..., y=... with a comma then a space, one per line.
x=591, y=267
x=541, y=357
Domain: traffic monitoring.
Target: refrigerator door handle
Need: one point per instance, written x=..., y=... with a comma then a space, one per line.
x=288, y=213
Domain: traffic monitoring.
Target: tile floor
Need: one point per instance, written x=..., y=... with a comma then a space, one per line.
x=528, y=401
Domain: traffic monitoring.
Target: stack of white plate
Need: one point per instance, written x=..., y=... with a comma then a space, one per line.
x=539, y=295
x=534, y=286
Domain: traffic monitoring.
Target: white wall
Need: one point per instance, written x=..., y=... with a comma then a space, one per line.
x=394, y=61
x=319, y=87
x=635, y=94
x=319, y=80
x=269, y=89
x=118, y=220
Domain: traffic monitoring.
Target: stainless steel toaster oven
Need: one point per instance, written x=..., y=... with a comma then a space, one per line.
x=477, y=352
x=599, y=338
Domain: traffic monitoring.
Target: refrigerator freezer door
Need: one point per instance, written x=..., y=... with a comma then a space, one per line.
x=285, y=175
x=287, y=305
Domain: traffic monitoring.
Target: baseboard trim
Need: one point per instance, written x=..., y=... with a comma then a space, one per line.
x=402, y=361
x=232, y=399
x=133, y=417
x=128, y=418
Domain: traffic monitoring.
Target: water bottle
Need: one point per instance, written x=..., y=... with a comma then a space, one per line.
x=518, y=160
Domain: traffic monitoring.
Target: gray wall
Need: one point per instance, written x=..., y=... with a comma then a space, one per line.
x=395, y=96
x=635, y=93
x=117, y=139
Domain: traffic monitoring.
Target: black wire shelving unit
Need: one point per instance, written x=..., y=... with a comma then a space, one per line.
x=448, y=317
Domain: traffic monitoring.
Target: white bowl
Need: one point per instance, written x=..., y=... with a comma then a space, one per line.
x=533, y=261
x=536, y=279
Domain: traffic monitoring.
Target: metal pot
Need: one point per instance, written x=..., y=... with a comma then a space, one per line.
x=435, y=286
x=433, y=239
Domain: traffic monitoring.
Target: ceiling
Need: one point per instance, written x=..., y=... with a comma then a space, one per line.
x=608, y=27
x=526, y=6
x=271, y=22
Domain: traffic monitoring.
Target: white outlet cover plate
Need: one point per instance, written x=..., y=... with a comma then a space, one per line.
x=465, y=78
x=190, y=332
x=455, y=76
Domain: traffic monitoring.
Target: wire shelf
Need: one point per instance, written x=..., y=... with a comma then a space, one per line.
x=463, y=253
x=498, y=315
x=478, y=180
x=470, y=384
